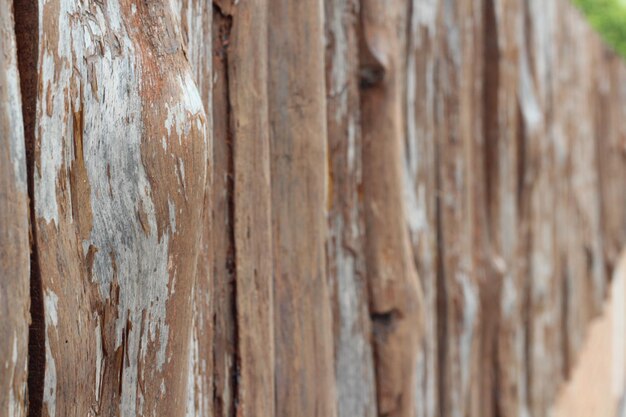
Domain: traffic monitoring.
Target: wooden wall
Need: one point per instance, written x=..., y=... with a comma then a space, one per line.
x=399, y=208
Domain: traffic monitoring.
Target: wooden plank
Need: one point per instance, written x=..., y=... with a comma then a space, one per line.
x=248, y=98
x=608, y=113
x=305, y=383
x=420, y=191
x=196, y=20
x=14, y=243
x=120, y=169
x=244, y=354
x=354, y=366
x=223, y=240
x=544, y=296
x=396, y=298
x=503, y=368
x=461, y=213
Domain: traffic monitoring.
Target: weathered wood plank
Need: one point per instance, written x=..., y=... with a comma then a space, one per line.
x=120, y=167
x=396, y=299
x=609, y=131
x=421, y=185
x=461, y=213
x=305, y=383
x=248, y=98
x=545, y=355
x=14, y=244
x=578, y=231
x=196, y=21
x=236, y=237
x=503, y=369
x=354, y=366
x=223, y=240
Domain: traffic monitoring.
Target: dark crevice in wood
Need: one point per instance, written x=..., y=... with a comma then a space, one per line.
x=524, y=199
x=222, y=28
x=27, y=37
x=521, y=163
x=441, y=290
x=371, y=76
x=526, y=318
x=523, y=206
x=565, y=311
x=491, y=290
x=384, y=323
x=491, y=111
x=496, y=367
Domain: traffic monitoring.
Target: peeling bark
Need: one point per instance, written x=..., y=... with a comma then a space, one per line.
x=120, y=168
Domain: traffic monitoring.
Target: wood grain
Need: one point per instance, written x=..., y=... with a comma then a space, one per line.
x=119, y=174
x=305, y=383
x=14, y=243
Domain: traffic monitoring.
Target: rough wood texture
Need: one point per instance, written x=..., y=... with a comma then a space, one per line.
x=248, y=106
x=460, y=212
x=14, y=251
x=119, y=179
x=503, y=365
x=305, y=383
x=396, y=299
x=354, y=366
x=421, y=185
x=223, y=244
x=196, y=23
x=316, y=208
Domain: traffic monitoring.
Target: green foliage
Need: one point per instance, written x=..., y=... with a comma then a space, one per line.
x=609, y=18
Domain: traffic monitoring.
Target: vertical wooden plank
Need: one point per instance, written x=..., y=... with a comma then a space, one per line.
x=421, y=185
x=354, y=367
x=248, y=98
x=195, y=20
x=396, y=298
x=120, y=167
x=570, y=126
x=608, y=114
x=243, y=256
x=544, y=343
x=14, y=244
x=297, y=107
x=460, y=208
x=503, y=349
x=223, y=244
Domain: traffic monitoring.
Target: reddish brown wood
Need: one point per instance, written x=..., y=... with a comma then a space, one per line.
x=314, y=208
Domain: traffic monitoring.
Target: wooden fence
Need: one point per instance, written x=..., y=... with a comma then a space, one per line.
x=398, y=208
